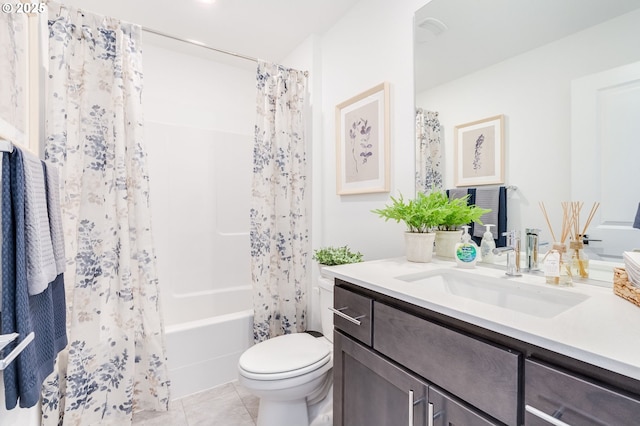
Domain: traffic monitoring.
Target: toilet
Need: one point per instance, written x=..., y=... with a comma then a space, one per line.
x=288, y=373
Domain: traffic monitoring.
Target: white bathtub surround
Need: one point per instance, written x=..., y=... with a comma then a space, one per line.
x=115, y=362
x=279, y=220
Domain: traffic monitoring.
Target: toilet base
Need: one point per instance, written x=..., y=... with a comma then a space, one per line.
x=278, y=413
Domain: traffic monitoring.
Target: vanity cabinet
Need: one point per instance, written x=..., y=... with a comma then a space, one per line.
x=399, y=369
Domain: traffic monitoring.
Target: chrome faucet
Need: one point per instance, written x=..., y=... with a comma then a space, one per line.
x=513, y=253
x=533, y=244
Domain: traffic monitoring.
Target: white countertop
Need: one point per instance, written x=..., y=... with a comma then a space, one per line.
x=603, y=330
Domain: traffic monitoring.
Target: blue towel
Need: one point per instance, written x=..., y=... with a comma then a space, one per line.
x=43, y=313
x=21, y=376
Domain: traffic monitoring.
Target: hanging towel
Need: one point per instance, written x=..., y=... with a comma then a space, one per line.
x=457, y=193
x=21, y=376
x=488, y=198
x=55, y=216
x=41, y=264
x=501, y=224
x=56, y=298
x=636, y=222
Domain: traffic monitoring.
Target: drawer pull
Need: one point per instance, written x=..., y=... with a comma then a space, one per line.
x=410, y=408
x=544, y=416
x=345, y=316
x=430, y=414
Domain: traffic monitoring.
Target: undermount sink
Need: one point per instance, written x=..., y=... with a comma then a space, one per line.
x=543, y=302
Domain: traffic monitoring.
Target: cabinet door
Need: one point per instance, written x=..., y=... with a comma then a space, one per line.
x=448, y=412
x=553, y=396
x=371, y=391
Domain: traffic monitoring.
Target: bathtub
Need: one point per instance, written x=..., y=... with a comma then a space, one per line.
x=205, y=336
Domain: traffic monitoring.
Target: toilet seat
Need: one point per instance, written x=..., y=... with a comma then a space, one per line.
x=284, y=357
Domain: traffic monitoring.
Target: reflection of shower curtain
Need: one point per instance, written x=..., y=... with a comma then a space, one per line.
x=429, y=167
x=115, y=362
x=279, y=224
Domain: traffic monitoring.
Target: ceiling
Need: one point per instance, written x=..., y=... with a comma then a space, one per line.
x=490, y=31
x=265, y=29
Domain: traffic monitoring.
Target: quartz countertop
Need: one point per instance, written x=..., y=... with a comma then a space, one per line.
x=603, y=330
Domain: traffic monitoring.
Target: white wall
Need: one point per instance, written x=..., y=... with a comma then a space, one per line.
x=532, y=90
x=372, y=43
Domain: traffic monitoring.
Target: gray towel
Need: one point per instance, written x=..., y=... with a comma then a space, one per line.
x=55, y=216
x=457, y=193
x=41, y=265
x=488, y=198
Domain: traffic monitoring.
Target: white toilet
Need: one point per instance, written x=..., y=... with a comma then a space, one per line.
x=292, y=371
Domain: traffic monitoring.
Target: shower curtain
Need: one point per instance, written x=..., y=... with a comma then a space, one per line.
x=429, y=167
x=279, y=228
x=115, y=361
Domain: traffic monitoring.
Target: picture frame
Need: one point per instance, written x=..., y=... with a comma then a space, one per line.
x=20, y=106
x=479, y=152
x=362, y=142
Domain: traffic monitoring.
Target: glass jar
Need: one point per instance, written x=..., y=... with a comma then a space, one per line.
x=557, y=266
x=579, y=260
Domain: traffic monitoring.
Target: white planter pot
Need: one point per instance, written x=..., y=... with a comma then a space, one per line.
x=446, y=243
x=419, y=246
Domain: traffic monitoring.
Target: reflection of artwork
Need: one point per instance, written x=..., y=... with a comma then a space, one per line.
x=479, y=158
x=362, y=142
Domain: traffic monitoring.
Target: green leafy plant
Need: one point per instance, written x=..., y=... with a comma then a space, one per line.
x=336, y=256
x=426, y=213
x=457, y=213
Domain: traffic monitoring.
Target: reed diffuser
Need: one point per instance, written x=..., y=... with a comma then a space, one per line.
x=579, y=260
x=557, y=268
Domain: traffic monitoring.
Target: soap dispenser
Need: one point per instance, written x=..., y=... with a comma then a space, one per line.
x=466, y=252
x=487, y=245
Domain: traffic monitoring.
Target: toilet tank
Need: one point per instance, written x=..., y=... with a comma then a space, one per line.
x=325, y=286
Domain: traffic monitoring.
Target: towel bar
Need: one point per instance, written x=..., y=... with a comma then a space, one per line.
x=16, y=351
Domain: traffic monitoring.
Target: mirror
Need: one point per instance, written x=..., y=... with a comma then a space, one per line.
x=532, y=62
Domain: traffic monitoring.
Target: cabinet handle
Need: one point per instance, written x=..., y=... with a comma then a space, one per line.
x=544, y=416
x=430, y=414
x=345, y=316
x=410, y=408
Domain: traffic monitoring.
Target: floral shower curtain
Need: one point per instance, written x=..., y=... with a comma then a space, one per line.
x=279, y=229
x=115, y=362
x=429, y=167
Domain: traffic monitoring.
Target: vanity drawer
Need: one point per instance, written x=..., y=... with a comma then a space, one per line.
x=484, y=375
x=352, y=314
x=573, y=400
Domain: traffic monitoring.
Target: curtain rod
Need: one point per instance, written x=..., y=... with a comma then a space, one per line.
x=197, y=43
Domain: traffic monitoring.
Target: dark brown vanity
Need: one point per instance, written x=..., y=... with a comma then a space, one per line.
x=396, y=363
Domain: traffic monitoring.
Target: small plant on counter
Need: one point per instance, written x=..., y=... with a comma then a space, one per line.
x=457, y=213
x=331, y=256
x=421, y=214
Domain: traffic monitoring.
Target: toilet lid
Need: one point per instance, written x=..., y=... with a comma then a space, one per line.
x=282, y=354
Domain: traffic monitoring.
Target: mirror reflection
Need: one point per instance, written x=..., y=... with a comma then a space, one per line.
x=566, y=77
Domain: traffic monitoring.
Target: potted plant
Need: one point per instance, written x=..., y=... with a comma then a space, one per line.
x=429, y=215
x=421, y=215
x=330, y=256
x=455, y=213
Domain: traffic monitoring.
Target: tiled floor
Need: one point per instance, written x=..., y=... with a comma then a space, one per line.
x=226, y=405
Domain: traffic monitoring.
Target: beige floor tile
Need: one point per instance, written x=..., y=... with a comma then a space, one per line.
x=224, y=409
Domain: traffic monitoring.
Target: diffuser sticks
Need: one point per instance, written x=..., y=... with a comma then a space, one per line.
x=575, y=262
